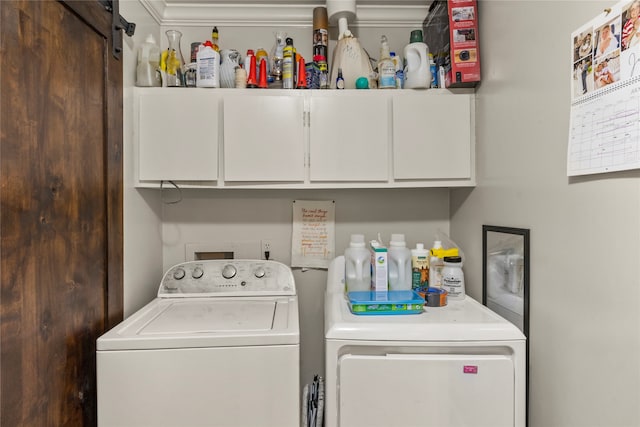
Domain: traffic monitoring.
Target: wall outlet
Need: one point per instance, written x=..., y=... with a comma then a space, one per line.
x=266, y=246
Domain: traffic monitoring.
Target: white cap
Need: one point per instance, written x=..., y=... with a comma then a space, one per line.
x=437, y=244
x=420, y=246
x=357, y=241
x=150, y=39
x=397, y=240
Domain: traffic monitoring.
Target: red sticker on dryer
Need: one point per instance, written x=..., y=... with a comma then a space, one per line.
x=470, y=369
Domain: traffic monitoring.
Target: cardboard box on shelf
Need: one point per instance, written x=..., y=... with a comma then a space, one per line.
x=451, y=32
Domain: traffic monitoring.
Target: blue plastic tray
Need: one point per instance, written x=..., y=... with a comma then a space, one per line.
x=385, y=303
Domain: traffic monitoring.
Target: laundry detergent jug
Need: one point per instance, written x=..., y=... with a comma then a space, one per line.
x=357, y=265
x=400, y=274
x=417, y=74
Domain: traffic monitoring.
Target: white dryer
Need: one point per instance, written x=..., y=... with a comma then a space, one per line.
x=219, y=346
x=458, y=365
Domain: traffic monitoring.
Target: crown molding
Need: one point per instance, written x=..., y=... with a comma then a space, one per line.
x=241, y=14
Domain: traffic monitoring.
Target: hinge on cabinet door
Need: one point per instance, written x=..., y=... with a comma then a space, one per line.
x=117, y=23
x=306, y=118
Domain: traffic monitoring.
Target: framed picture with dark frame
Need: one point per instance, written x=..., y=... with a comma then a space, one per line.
x=505, y=277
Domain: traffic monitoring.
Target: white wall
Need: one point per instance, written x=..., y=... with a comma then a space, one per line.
x=585, y=232
x=142, y=208
x=241, y=215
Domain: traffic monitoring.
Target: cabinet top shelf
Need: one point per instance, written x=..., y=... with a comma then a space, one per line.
x=370, y=13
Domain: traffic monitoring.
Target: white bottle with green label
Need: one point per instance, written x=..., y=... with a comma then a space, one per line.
x=419, y=268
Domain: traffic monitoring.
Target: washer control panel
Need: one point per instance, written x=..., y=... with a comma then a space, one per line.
x=227, y=278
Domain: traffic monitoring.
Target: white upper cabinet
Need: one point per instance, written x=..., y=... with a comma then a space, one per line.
x=264, y=138
x=349, y=136
x=432, y=136
x=178, y=133
x=275, y=138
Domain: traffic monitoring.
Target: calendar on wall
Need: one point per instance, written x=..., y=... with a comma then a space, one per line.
x=604, y=130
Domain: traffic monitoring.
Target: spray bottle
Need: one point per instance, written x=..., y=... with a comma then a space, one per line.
x=386, y=67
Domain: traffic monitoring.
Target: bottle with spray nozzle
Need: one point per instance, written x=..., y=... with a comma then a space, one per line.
x=386, y=67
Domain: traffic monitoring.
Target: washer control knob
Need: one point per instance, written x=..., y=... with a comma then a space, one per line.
x=259, y=273
x=229, y=271
x=179, y=274
x=197, y=273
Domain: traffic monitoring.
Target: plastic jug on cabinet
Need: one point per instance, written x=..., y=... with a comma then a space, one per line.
x=399, y=264
x=357, y=265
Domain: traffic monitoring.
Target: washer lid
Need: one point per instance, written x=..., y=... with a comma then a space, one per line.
x=207, y=322
x=465, y=320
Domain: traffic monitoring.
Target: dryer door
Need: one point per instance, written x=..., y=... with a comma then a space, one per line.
x=439, y=390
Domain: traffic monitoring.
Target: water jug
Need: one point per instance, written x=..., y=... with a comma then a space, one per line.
x=147, y=70
x=417, y=74
x=400, y=274
x=357, y=265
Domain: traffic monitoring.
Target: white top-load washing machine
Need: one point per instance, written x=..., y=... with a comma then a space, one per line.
x=457, y=365
x=219, y=346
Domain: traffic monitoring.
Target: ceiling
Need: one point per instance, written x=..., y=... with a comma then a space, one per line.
x=370, y=13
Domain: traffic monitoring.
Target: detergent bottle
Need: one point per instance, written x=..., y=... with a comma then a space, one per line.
x=419, y=267
x=417, y=74
x=357, y=265
x=399, y=264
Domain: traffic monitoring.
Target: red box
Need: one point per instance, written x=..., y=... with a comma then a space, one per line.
x=465, y=46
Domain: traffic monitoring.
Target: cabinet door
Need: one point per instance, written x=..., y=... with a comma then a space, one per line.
x=432, y=136
x=349, y=137
x=178, y=134
x=264, y=138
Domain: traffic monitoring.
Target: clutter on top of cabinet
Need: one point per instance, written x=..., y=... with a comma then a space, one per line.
x=284, y=68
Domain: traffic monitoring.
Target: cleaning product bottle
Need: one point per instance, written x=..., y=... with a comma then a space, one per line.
x=340, y=80
x=416, y=74
x=288, y=65
x=207, y=66
x=453, y=278
x=419, y=268
x=147, y=71
x=436, y=263
x=399, y=264
x=433, y=69
x=386, y=67
x=357, y=265
x=214, y=39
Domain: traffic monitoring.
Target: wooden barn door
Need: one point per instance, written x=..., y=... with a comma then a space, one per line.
x=60, y=207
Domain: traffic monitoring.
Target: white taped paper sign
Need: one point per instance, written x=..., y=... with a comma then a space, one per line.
x=313, y=235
